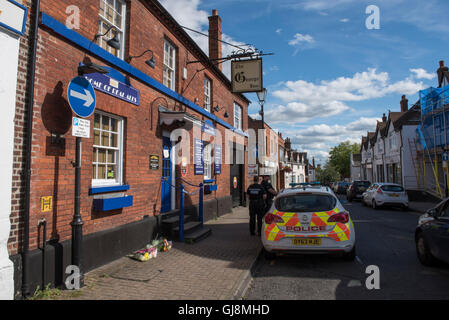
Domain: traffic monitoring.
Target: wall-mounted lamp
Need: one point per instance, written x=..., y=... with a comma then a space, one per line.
x=90, y=67
x=150, y=62
x=217, y=109
x=114, y=42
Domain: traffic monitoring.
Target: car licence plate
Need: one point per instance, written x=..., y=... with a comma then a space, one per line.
x=306, y=242
x=394, y=195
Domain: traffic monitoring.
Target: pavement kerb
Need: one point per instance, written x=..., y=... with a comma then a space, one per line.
x=245, y=280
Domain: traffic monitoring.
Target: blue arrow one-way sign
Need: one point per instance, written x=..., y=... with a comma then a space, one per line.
x=81, y=96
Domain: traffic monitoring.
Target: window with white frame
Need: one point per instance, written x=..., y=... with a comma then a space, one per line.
x=237, y=116
x=112, y=14
x=107, y=158
x=207, y=157
x=169, y=77
x=393, y=145
x=207, y=94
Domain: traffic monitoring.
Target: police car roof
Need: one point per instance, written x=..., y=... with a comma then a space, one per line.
x=320, y=189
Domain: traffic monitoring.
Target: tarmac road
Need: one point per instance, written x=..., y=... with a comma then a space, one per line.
x=385, y=238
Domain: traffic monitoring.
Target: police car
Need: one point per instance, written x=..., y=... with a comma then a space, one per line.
x=308, y=220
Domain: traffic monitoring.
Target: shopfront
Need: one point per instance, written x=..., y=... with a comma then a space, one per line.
x=152, y=130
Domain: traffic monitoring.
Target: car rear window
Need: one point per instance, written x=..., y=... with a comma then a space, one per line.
x=365, y=184
x=388, y=188
x=306, y=203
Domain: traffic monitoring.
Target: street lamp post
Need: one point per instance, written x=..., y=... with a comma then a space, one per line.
x=261, y=95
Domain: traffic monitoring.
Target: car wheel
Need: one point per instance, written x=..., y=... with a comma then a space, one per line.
x=423, y=251
x=269, y=255
x=350, y=199
x=363, y=203
x=349, y=256
x=404, y=208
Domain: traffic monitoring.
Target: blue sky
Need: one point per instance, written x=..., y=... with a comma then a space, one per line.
x=330, y=78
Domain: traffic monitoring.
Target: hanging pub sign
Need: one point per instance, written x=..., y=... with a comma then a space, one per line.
x=154, y=162
x=113, y=87
x=217, y=156
x=246, y=76
x=198, y=157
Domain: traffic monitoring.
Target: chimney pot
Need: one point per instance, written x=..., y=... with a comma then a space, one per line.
x=384, y=118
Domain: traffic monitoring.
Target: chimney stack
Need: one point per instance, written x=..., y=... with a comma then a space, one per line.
x=384, y=118
x=443, y=75
x=404, y=104
x=215, y=44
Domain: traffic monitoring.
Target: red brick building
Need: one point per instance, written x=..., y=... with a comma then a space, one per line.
x=268, y=146
x=140, y=103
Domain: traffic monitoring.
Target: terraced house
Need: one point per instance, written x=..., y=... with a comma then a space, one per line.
x=155, y=89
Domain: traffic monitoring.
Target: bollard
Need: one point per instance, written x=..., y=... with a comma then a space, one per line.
x=181, y=215
x=201, y=203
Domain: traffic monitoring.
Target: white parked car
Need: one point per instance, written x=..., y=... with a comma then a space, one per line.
x=308, y=220
x=386, y=194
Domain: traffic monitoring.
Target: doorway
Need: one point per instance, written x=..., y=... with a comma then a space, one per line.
x=166, y=189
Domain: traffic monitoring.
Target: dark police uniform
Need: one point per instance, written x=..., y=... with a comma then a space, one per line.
x=256, y=206
x=269, y=201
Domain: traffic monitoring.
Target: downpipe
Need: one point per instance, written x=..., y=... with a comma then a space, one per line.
x=29, y=133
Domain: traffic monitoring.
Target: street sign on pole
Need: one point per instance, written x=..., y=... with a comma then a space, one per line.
x=80, y=128
x=81, y=97
x=445, y=156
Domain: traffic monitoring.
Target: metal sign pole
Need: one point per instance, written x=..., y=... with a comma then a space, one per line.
x=77, y=223
x=82, y=100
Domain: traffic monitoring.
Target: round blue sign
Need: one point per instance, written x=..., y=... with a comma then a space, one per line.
x=81, y=96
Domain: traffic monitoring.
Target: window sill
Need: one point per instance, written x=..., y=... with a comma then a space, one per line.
x=105, y=189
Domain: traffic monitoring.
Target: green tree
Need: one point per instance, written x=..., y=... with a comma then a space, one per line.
x=340, y=157
x=328, y=174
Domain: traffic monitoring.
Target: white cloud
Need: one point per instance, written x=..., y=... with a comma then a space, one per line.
x=278, y=31
x=423, y=74
x=304, y=100
x=299, y=39
x=317, y=140
x=344, y=20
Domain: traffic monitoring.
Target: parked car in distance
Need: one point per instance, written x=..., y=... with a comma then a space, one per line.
x=432, y=235
x=341, y=187
x=386, y=194
x=356, y=189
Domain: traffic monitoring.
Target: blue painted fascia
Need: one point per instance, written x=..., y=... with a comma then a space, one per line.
x=94, y=49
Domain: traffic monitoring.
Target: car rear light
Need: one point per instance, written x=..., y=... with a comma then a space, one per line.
x=272, y=218
x=352, y=188
x=342, y=217
x=379, y=191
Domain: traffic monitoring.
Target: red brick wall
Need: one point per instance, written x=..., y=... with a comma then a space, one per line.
x=52, y=169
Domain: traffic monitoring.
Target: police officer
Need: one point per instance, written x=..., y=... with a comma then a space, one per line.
x=266, y=184
x=257, y=196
